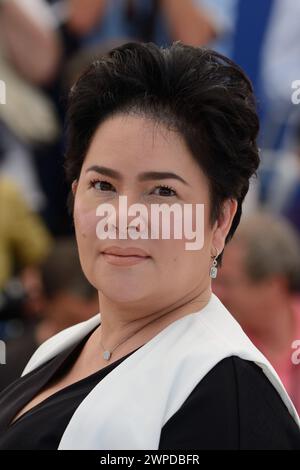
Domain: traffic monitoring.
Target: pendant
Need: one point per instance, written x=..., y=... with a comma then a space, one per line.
x=106, y=355
x=213, y=272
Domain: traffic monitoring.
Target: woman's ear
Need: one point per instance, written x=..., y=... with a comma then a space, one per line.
x=74, y=187
x=223, y=224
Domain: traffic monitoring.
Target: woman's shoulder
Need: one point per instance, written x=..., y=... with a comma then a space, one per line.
x=234, y=406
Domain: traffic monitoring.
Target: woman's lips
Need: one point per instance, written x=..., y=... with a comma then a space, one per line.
x=124, y=256
x=118, y=260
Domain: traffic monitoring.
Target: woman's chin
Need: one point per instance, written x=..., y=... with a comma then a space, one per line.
x=123, y=297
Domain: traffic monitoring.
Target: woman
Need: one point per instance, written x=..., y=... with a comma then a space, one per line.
x=165, y=366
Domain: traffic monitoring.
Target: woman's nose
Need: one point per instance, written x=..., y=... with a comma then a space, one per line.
x=130, y=214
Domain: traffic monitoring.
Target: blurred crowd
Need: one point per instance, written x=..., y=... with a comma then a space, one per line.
x=44, y=46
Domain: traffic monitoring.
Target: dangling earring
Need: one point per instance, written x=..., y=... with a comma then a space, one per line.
x=214, y=268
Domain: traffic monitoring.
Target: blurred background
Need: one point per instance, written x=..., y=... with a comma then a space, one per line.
x=44, y=46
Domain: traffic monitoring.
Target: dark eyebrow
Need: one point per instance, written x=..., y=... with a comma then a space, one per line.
x=105, y=171
x=146, y=176
x=160, y=175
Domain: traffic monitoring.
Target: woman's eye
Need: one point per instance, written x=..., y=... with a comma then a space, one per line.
x=101, y=185
x=166, y=191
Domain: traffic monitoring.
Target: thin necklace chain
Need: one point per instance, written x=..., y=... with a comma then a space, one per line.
x=107, y=353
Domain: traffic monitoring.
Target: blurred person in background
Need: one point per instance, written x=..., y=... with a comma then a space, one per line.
x=279, y=100
x=280, y=67
x=65, y=297
x=24, y=239
x=27, y=31
x=283, y=191
x=30, y=53
x=195, y=22
x=291, y=209
x=259, y=283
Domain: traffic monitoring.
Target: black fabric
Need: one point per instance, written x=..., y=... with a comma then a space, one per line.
x=233, y=407
x=18, y=352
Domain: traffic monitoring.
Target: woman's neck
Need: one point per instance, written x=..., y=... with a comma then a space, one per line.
x=118, y=323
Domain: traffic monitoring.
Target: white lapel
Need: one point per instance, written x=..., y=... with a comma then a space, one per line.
x=128, y=408
x=60, y=342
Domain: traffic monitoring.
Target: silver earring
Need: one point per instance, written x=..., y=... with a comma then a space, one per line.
x=214, y=268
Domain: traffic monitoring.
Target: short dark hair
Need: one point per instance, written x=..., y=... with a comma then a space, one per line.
x=202, y=94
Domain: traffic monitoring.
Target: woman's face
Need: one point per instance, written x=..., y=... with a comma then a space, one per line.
x=121, y=151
